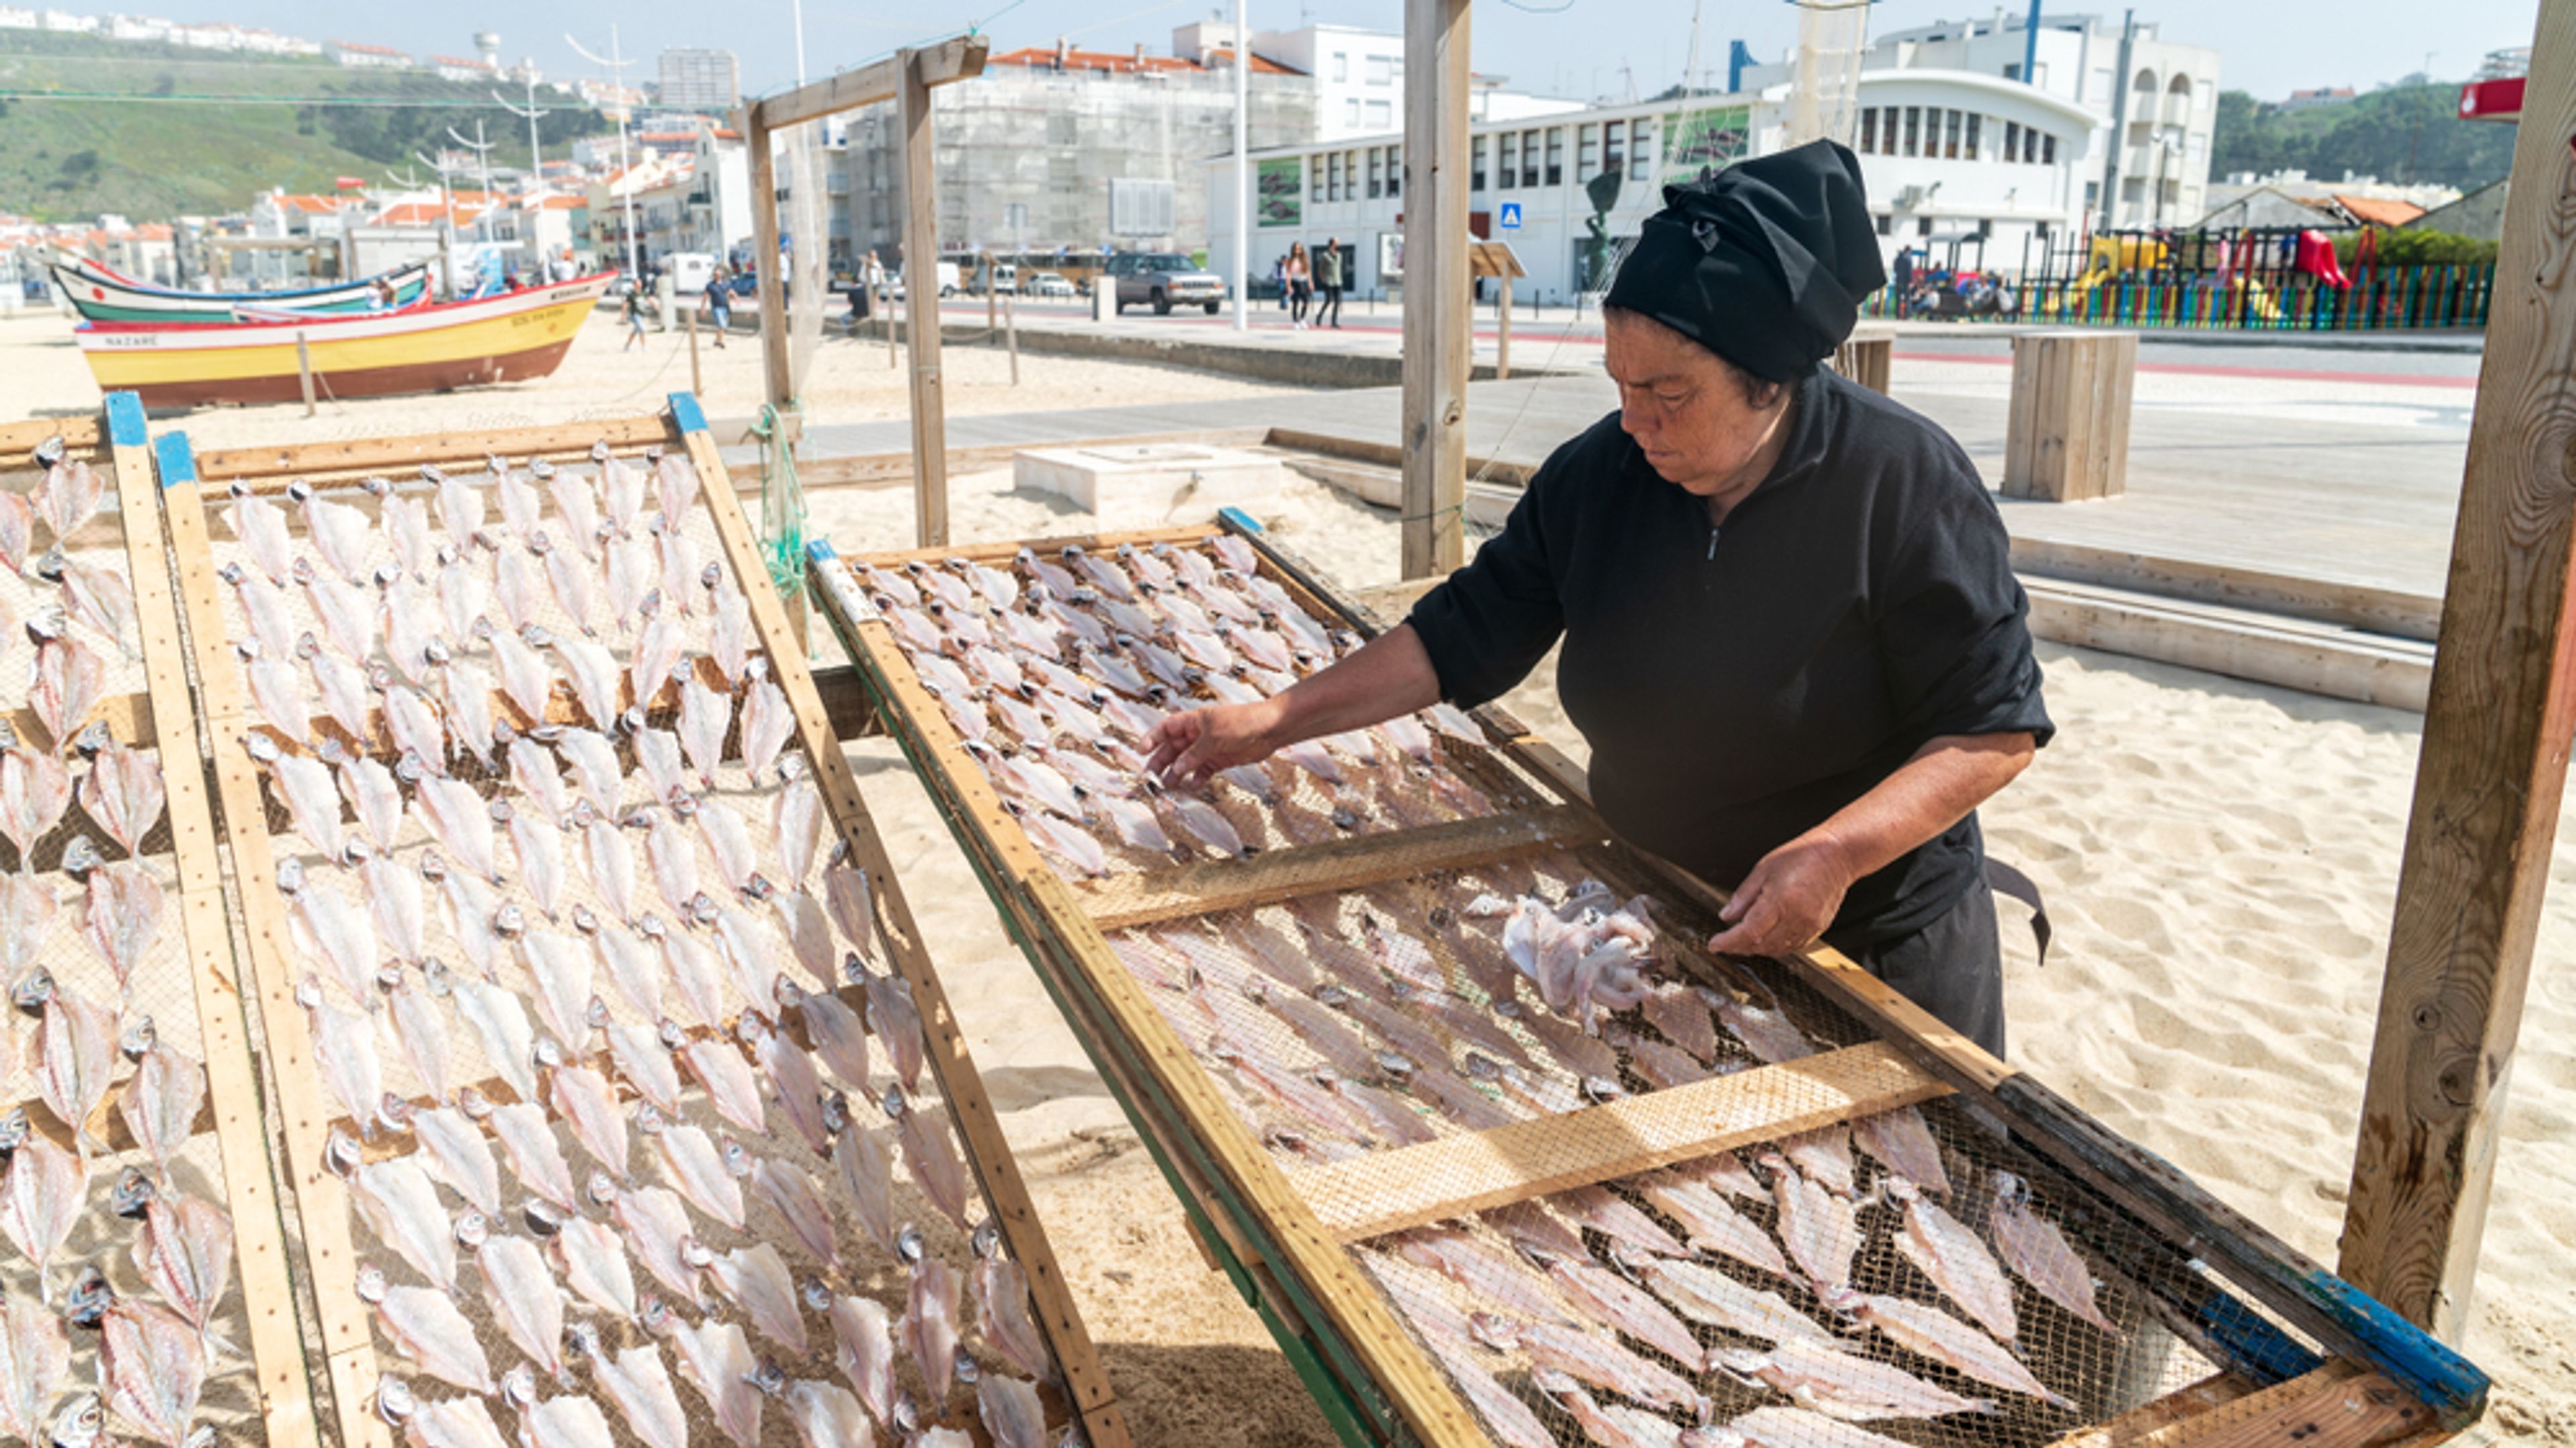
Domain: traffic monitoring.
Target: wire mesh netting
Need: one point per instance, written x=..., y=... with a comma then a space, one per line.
x=1912, y=1276
x=117, y=1296
x=601, y=1006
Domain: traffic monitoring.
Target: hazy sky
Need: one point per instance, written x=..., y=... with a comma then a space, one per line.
x=1572, y=47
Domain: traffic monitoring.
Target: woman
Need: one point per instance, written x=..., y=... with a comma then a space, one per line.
x=1300, y=288
x=1792, y=636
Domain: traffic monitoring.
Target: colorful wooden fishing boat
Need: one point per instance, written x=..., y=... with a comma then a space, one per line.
x=102, y=295
x=507, y=338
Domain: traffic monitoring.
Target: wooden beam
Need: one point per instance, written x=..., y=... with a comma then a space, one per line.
x=271, y=469
x=921, y=298
x=314, y=1193
x=767, y=267
x=961, y=1086
x=2496, y=734
x=232, y=1108
x=1355, y=1308
x=1206, y=887
x=2139, y=1427
x=18, y=439
x=1437, y=345
x=2340, y=1405
x=1388, y=1191
x=956, y=59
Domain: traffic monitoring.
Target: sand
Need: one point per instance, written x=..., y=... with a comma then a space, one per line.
x=2220, y=859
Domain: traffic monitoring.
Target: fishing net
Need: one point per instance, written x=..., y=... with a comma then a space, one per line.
x=1913, y=1274
x=730, y=1174
x=65, y=899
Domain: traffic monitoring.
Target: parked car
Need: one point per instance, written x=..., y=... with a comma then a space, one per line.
x=1048, y=284
x=1165, y=280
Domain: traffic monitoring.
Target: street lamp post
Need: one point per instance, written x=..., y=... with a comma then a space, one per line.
x=617, y=63
x=1242, y=165
x=531, y=114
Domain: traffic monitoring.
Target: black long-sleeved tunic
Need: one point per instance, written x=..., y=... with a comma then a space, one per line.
x=1739, y=684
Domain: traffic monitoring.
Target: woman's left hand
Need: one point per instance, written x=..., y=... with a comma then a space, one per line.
x=1788, y=900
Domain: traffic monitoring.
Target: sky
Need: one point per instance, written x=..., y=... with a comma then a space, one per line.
x=1578, y=48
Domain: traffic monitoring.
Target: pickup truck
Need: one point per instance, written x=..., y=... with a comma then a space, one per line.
x=1165, y=280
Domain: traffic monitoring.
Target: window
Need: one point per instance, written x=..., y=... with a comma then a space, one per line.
x=1868, y=132
x=2012, y=70
x=1613, y=153
x=1641, y=145
x=1587, y=151
x=1341, y=65
x=1556, y=157
x=1476, y=164
x=2048, y=150
x=1381, y=70
x=1529, y=158
x=1886, y=223
x=1511, y=166
x=1950, y=147
x=1377, y=173
x=1923, y=226
x=1395, y=170
x=1974, y=121
x=2012, y=140
x=1381, y=115
x=1913, y=130
x=1351, y=113
x=2030, y=145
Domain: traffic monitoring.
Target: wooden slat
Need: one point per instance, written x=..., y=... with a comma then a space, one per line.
x=2137, y=1427
x=1388, y=1191
x=128, y=716
x=271, y=469
x=276, y=1344
x=314, y=1194
x=1206, y=887
x=894, y=469
x=1047, y=548
x=988, y=1151
x=18, y=439
x=960, y=58
x=913, y=125
x=2498, y=726
x=2340, y=1405
x=1355, y=1308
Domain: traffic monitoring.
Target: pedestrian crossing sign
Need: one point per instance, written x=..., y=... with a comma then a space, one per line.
x=1511, y=217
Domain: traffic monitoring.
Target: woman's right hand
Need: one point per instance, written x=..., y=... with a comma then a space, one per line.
x=1187, y=748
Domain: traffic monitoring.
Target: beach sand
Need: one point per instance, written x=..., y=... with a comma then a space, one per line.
x=2220, y=859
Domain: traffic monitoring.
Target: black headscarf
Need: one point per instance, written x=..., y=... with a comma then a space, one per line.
x=1764, y=263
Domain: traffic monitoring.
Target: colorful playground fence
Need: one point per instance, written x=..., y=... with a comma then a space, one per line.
x=2379, y=297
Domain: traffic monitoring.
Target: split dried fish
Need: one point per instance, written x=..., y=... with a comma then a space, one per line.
x=932, y=1156
x=501, y=1026
x=594, y=674
x=1711, y=1224
x=75, y=1061
x=160, y=1101
x=1955, y=1260
x=154, y=1367
x=1922, y=1328
x=595, y=1267
x=928, y=1331
x=643, y=1061
x=657, y=753
x=35, y=1365
x=27, y=912
x=2039, y=1254
x=1816, y=1225
x=103, y=600
x=706, y=717
x=121, y=916
x=528, y=1144
x=594, y=768
x=425, y=1326
x=691, y=1164
x=35, y=790
x=70, y=680
x=40, y=1202
x=1010, y=1411
x=585, y=1101
x=863, y=1335
x=458, y=819
x=402, y=1208
x=767, y=724
x=68, y=498
x=640, y=1386
x=755, y=1279
x=717, y=1360
x=526, y=679
x=1619, y=1305
x=867, y=1174
x=521, y=1291
x=566, y=1422
x=1593, y=1358
x=1838, y=1384
x=1705, y=1294
x=454, y=1149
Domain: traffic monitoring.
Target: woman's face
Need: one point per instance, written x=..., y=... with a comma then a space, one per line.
x=1685, y=408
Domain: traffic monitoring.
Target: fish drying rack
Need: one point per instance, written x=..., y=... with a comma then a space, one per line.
x=304, y=1362
x=2226, y=1335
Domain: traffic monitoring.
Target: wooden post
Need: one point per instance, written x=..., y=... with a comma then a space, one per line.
x=891, y=361
x=1865, y=358
x=2496, y=735
x=2068, y=435
x=1503, y=334
x=1011, y=335
x=921, y=293
x=1437, y=309
x=697, y=383
x=777, y=383
x=992, y=295
x=304, y=371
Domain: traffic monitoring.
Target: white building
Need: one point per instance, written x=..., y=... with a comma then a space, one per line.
x=68, y=23
x=2152, y=102
x=16, y=17
x=1949, y=158
x=1358, y=75
x=351, y=53
x=701, y=80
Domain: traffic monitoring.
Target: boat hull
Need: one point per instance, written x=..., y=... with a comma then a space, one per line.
x=512, y=338
x=100, y=295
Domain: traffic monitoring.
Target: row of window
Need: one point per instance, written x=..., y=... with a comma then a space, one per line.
x=1381, y=68
x=1536, y=157
x=1933, y=132
x=1378, y=116
x=1336, y=176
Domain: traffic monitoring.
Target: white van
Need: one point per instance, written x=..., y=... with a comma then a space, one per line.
x=689, y=271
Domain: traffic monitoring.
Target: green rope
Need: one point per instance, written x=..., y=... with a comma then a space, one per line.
x=782, y=503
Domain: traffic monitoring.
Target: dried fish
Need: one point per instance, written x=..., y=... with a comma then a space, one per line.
x=566, y=1422
x=1955, y=1260
x=500, y=1024
x=454, y=1150
x=153, y=1367
x=588, y=1104
x=69, y=681
x=524, y=1299
x=425, y=1327
x=717, y=1360
x=594, y=768
x=538, y=843
x=75, y=1059
x=560, y=965
x=1927, y=1330
x=932, y=1156
x=640, y=1386
x=693, y=1166
x=401, y=1208
x=344, y=1042
x=864, y=1343
x=467, y=692
x=121, y=916
x=929, y=1328
x=35, y=1361
x=457, y=818
x=40, y=1202
x=867, y=1174
x=1711, y=1224
x=1593, y=1358
x=2040, y=1255
x=1821, y=1376
x=35, y=789
x=897, y=1023
x=1002, y=1305
x=526, y=679
x=611, y=862
x=731, y=1086
x=594, y=1264
x=1817, y=1225
x=706, y=717
x=767, y=724
x=594, y=675
x=755, y=1279
x=159, y=1103
x=644, y=1062
x=1705, y=1294
x=1619, y=1305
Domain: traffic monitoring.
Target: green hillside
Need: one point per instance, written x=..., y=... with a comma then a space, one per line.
x=2402, y=133
x=156, y=131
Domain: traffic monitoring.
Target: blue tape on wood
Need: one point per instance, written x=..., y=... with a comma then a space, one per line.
x=125, y=426
x=685, y=414
x=820, y=550
x=2411, y=1357
x=176, y=461
x=1240, y=521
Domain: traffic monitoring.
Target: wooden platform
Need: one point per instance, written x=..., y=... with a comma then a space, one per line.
x=1280, y=1232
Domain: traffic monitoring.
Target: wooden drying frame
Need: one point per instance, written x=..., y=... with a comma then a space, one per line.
x=164, y=718
x=316, y=1194
x=2380, y=1381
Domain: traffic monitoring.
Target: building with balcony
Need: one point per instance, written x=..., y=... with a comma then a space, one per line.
x=700, y=80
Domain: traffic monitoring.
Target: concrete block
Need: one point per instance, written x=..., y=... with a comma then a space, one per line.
x=1151, y=485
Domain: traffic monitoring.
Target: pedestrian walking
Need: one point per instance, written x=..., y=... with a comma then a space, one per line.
x=1903, y=288
x=1329, y=282
x=634, y=316
x=1301, y=286
x=719, y=303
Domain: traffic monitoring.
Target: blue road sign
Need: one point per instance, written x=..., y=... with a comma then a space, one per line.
x=1511, y=217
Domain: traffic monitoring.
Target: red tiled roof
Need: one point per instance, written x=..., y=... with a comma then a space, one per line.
x=453, y=60
x=2373, y=212
x=351, y=45
x=1119, y=62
